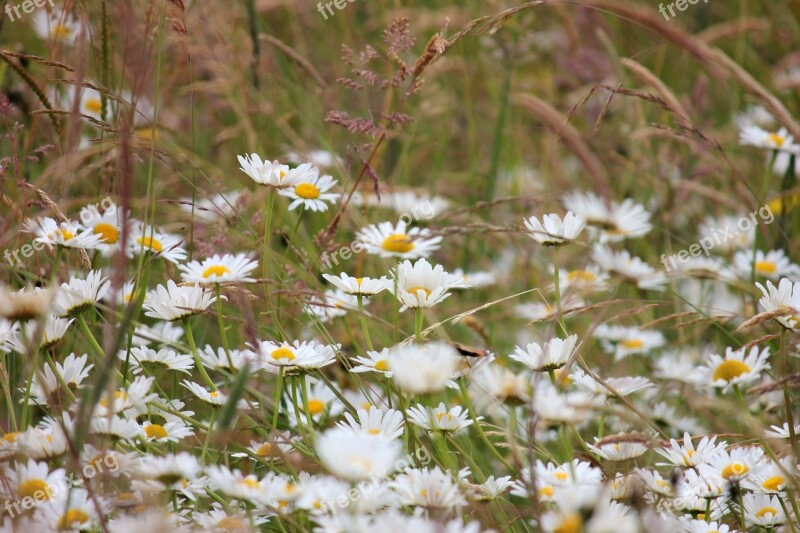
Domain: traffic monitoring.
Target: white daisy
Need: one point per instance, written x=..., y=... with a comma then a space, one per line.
x=219, y=269
x=590, y=279
x=779, y=140
x=629, y=268
x=387, y=240
x=173, y=302
x=687, y=454
x=297, y=356
x=622, y=341
x=169, y=469
x=215, y=398
x=428, y=488
x=551, y=355
x=334, y=303
x=440, y=418
x=733, y=465
x=423, y=368
x=231, y=361
x=311, y=191
x=386, y=424
x=147, y=239
x=79, y=295
x=144, y=358
x=269, y=173
x=26, y=304
x=172, y=431
x=57, y=25
x=785, y=296
x=771, y=265
x=357, y=456
x=737, y=367
x=614, y=221
x=358, y=286
x=552, y=231
x=378, y=362
x=764, y=511
x=46, y=384
x=66, y=234
x=108, y=225
x=46, y=337
x=616, y=448
x=781, y=432
x=422, y=285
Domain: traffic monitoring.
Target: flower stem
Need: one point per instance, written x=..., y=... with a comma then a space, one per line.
x=364, y=322
x=198, y=363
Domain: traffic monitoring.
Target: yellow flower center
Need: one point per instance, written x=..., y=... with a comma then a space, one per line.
x=264, y=450
x=147, y=134
x=307, y=191
x=774, y=483
x=60, y=31
x=72, y=518
x=633, y=344
x=315, y=406
x=413, y=291
x=216, y=270
x=374, y=431
x=730, y=369
x=156, y=431
x=767, y=511
x=581, y=275
x=359, y=281
x=734, y=470
x=570, y=524
x=546, y=491
x=109, y=233
x=398, y=243
x=66, y=234
x=94, y=105
x=250, y=482
x=561, y=476
x=11, y=437
x=214, y=394
x=231, y=523
x=382, y=365
x=283, y=353
x=149, y=242
x=766, y=267
x=776, y=139
x=33, y=487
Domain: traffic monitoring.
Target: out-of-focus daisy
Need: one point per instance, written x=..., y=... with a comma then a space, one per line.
x=771, y=265
x=219, y=520
x=172, y=431
x=378, y=362
x=136, y=394
x=386, y=424
x=297, y=356
x=629, y=268
x=318, y=158
x=358, y=286
x=492, y=385
x=26, y=304
x=150, y=360
x=552, y=231
x=423, y=368
x=785, y=295
x=620, y=386
x=322, y=401
x=727, y=226
x=230, y=361
x=489, y=490
x=311, y=192
x=169, y=469
x=79, y=295
x=220, y=207
x=73, y=510
x=90, y=101
x=46, y=386
x=763, y=511
x=45, y=337
x=33, y=478
x=551, y=355
x=115, y=428
x=215, y=397
x=219, y=269
x=357, y=456
x=614, y=221
x=428, y=488
x=410, y=202
x=388, y=240
x=590, y=279
x=56, y=25
x=622, y=341
x=335, y=303
x=477, y=279
x=67, y=234
x=440, y=418
x=737, y=367
x=7, y=329
x=618, y=448
x=554, y=406
x=173, y=302
x=163, y=333
x=269, y=173
x=422, y=285
x=777, y=140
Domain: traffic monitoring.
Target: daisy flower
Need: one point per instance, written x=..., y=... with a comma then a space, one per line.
x=629, y=268
x=423, y=368
x=56, y=25
x=358, y=286
x=218, y=208
x=618, y=449
x=79, y=295
x=386, y=424
x=136, y=394
x=622, y=341
x=378, y=362
x=269, y=173
x=231, y=361
x=781, y=432
x=686, y=454
x=322, y=401
x=737, y=367
x=297, y=356
x=172, y=431
x=115, y=428
x=428, y=488
x=492, y=385
x=785, y=295
x=620, y=386
x=174, y=303
x=34, y=480
x=551, y=355
x=440, y=418
x=733, y=465
x=7, y=329
x=764, y=511
x=477, y=279
x=66, y=234
x=213, y=398
x=422, y=285
x=727, y=225
x=146, y=239
x=108, y=226
x=26, y=304
x=46, y=386
x=169, y=469
x=150, y=360
x=334, y=304
x=310, y=190
x=614, y=221
x=552, y=231
x=357, y=456
x=219, y=269
x=771, y=265
x=387, y=240
x=778, y=140
x=408, y=201
x=51, y=333
x=72, y=510
x=590, y=279
x=772, y=479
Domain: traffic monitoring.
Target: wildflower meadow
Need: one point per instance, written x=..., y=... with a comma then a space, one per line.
x=400, y=266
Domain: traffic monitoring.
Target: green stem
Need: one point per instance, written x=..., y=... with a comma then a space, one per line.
x=208, y=433
x=221, y=325
x=92, y=341
x=277, y=399
x=419, y=320
x=363, y=319
x=198, y=363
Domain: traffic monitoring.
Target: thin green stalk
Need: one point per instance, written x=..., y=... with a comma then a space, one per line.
x=208, y=433
x=197, y=362
x=221, y=324
x=277, y=399
x=419, y=320
x=363, y=319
